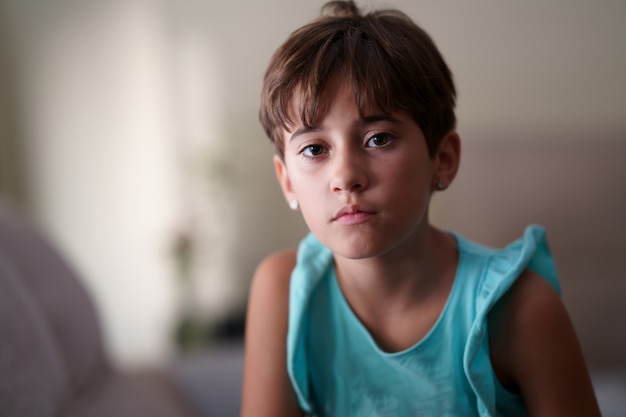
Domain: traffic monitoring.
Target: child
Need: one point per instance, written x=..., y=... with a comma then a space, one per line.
x=379, y=313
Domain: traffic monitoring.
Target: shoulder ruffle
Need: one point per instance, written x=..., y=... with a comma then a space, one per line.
x=505, y=266
x=313, y=262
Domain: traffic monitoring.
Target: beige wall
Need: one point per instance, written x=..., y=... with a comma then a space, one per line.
x=120, y=101
x=11, y=175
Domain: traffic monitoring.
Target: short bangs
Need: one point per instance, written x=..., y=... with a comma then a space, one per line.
x=392, y=64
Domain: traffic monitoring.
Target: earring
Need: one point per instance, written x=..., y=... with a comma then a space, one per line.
x=294, y=205
x=440, y=185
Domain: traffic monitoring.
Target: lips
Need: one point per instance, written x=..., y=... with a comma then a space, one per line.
x=353, y=214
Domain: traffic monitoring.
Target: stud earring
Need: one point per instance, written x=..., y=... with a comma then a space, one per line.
x=294, y=205
x=440, y=185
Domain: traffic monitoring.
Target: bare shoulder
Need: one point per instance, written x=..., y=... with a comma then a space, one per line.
x=270, y=285
x=535, y=350
x=276, y=268
x=267, y=389
x=269, y=292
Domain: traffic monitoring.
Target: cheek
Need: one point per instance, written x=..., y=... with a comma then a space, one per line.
x=408, y=170
x=304, y=178
x=308, y=193
x=298, y=182
x=310, y=190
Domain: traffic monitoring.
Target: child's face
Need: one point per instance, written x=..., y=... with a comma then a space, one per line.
x=363, y=184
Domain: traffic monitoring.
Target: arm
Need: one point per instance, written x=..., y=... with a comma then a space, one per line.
x=267, y=390
x=535, y=351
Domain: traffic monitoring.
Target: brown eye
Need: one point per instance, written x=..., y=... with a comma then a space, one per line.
x=312, y=151
x=379, y=140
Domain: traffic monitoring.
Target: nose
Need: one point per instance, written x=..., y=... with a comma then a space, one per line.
x=349, y=172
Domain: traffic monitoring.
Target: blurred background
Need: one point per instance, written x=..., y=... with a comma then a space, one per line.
x=129, y=132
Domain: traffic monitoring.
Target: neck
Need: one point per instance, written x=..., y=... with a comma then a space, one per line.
x=401, y=279
x=398, y=296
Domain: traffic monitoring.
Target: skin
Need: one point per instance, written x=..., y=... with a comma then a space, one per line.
x=364, y=186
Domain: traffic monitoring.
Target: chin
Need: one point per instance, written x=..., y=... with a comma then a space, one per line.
x=357, y=247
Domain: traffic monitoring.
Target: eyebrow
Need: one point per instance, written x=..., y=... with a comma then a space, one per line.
x=305, y=130
x=366, y=120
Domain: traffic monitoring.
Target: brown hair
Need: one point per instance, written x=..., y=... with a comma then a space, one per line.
x=392, y=63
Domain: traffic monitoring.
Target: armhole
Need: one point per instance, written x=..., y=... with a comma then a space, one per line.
x=508, y=403
x=505, y=267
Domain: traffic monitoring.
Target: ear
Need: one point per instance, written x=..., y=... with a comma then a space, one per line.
x=283, y=179
x=447, y=160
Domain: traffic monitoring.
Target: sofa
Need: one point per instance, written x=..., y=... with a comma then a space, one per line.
x=52, y=356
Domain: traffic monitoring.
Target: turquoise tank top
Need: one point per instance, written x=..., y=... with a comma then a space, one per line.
x=337, y=369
